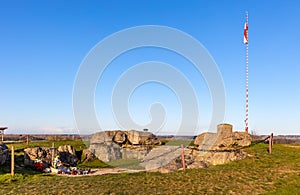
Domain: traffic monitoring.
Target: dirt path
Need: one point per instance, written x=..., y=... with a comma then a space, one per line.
x=104, y=171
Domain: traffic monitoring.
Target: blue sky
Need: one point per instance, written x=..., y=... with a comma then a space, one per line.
x=44, y=43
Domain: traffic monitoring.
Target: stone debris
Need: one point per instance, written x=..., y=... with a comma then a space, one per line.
x=66, y=153
x=210, y=149
x=223, y=139
x=106, y=151
x=160, y=157
x=142, y=138
x=4, y=154
x=38, y=153
x=221, y=147
x=87, y=156
x=117, y=144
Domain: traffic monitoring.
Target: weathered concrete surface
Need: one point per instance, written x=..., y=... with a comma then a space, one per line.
x=117, y=144
x=66, y=154
x=210, y=149
x=106, y=151
x=44, y=154
x=87, y=155
x=223, y=139
x=4, y=154
x=142, y=138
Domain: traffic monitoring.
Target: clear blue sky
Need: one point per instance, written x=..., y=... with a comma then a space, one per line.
x=44, y=42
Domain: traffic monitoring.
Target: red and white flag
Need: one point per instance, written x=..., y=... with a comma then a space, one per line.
x=246, y=33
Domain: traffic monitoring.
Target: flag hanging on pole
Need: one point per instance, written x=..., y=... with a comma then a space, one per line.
x=246, y=33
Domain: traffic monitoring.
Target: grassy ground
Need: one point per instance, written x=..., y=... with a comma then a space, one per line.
x=261, y=173
x=79, y=145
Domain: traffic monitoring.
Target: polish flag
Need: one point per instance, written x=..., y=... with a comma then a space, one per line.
x=246, y=33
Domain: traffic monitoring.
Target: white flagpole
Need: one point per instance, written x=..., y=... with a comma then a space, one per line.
x=247, y=100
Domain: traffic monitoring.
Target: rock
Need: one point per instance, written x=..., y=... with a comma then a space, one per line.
x=87, y=156
x=137, y=153
x=134, y=137
x=142, y=138
x=102, y=137
x=166, y=159
x=219, y=157
x=106, y=151
x=241, y=139
x=117, y=144
x=224, y=136
x=176, y=164
x=67, y=155
x=219, y=148
x=4, y=154
x=67, y=148
x=160, y=157
x=224, y=130
x=120, y=137
x=205, y=140
x=222, y=140
x=235, y=140
x=44, y=154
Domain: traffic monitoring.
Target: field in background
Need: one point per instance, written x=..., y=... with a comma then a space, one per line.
x=278, y=173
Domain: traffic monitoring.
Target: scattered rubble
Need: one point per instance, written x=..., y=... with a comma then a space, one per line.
x=131, y=137
x=221, y=147
x=66, y=154
x=4, y=153
x=223, y=139
x=87, y=156
x=210, y=149
x=113, y=145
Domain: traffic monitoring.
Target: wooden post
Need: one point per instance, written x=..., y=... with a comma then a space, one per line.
x=2, y=136
x=27, y=139
x=2, y=133
x=12, y=161
x=182, y=157
x=270, y=143
x=272, y=139
x=52, y=156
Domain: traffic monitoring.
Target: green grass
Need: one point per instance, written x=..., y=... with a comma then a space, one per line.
x=93, y=164
x=178, y=142
x=78, y=144
x=126, y=163
x=261, y=173
x=19, y=156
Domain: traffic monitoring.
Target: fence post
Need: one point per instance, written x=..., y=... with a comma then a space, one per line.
x=2, y=137
x=27, y=139
x=12, y=161
x=52, y=156
x=272, y=139
x=270, y=143
x=182, y=157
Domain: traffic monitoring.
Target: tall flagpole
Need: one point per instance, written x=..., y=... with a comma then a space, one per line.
x=247, y=94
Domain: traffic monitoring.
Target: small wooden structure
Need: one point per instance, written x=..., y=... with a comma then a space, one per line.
x=2, y=133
